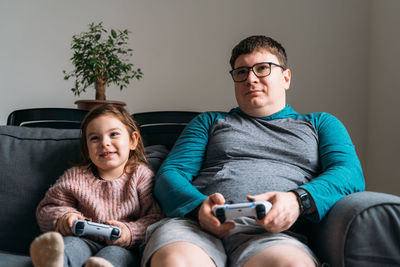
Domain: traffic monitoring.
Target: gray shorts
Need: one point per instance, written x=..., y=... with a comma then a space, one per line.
x=244, y=241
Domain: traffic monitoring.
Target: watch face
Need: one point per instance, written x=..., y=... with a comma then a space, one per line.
x=305, y=201
x=304, y=196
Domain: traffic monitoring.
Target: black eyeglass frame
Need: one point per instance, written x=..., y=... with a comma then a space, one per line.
x=252, y=68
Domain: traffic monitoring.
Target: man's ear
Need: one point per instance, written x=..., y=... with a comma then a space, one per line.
x=134, y=140
x=287, y=76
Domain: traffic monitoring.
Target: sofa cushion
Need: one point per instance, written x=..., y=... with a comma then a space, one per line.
x=14, y=260
x=31, y=160
x=155, y=155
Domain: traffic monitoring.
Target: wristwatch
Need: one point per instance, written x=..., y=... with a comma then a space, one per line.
x=304, y=199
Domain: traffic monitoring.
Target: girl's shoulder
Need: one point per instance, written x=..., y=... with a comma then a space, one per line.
x=74, y=178
x=142, y=171
x=76, y=173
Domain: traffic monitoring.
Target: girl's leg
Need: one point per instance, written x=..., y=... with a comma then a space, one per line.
x=47, y=250
x=98, y=262
x=117, y=256
x=77, y=250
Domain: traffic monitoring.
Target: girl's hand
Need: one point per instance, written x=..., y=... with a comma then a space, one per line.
x=125, y=239
x=65, y=223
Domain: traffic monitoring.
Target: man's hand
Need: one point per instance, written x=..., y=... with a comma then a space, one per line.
x=208, y=221
x=284, y=213
x=125, y=239
x=65, y=223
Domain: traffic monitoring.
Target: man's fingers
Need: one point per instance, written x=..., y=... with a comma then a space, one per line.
x=228, y=225
x=224, y=229
x=260, y=197
x=217, y=198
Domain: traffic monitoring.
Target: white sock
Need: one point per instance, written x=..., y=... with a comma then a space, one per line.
x=47, y=250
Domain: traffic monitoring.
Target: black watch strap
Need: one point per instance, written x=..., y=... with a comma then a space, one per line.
x=304, y=199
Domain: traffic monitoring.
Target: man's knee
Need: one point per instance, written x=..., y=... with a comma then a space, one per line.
x=291, y=261
x=281, y=255
x=180, y=254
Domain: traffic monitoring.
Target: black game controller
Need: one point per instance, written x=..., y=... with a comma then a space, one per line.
x=228, y=212
x=85, y=227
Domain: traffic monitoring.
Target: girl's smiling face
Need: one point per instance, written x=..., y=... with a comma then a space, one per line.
x=109, y=144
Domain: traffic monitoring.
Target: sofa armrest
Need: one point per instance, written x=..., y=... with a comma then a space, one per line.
x=362, y=229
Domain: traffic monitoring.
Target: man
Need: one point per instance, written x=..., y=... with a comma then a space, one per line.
x=262, y=150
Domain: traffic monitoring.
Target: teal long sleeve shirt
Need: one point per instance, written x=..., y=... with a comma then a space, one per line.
x=236, y=155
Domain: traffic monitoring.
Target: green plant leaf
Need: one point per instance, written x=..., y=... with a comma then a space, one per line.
x=113, y=33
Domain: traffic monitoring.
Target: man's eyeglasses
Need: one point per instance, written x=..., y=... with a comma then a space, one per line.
x=261, y=70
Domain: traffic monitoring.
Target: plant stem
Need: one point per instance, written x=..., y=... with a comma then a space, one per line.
x=100, y=86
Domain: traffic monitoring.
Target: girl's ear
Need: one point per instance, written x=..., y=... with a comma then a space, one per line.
x=134, y=140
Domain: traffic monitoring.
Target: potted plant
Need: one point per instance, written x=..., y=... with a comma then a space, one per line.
x=101, y=58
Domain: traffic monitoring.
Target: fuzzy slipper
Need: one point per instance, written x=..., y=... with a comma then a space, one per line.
x=47, y=250
x=98, y=262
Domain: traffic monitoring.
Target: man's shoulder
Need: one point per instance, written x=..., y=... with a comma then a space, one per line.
x=324, y=122
x=208, y=118
x=318, y=117
x=215, y=114
x=314, y=115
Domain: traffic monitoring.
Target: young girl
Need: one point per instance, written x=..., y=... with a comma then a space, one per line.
x=113, y=185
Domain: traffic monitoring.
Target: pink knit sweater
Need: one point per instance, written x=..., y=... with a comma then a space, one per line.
x=128, y=199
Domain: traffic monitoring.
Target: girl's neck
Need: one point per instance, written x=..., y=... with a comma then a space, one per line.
x=109, y=175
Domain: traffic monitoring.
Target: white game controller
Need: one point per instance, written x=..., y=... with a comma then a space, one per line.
x=84, y=227
x=228, y=212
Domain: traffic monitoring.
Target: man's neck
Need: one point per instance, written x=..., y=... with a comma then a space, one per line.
x=263, y=112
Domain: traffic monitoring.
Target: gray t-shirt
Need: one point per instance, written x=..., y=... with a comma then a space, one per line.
x=252, y=156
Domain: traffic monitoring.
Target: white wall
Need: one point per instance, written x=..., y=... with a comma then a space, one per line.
x=383, y=109
x=183, y=48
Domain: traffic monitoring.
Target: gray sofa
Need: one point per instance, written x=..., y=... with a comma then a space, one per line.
x=362, y=229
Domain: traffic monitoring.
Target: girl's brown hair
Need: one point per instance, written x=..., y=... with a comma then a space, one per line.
x=136, y=157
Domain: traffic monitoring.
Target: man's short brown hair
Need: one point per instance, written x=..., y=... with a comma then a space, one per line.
x=259, y=42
